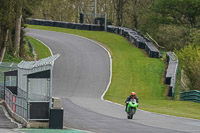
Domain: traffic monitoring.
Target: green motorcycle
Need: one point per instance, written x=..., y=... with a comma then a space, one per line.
x=131, y=108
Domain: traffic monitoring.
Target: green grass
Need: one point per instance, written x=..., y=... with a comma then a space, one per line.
x=10, y=58
x=41, y=50
x=132, y=70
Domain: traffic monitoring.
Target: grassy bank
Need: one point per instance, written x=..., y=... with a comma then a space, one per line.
x=134, y=71
x=27, y=55
x=41, y=50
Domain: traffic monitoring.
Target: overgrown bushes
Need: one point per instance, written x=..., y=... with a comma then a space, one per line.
x=189, y=58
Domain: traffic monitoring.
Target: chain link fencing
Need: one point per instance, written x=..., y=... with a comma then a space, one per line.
x=11, y=81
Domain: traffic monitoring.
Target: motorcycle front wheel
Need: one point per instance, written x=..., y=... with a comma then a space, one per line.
x=131, y=113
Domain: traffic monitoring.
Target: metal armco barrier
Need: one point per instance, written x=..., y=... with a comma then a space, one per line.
x=193, y=95
x=133, y=36
x=172, y=68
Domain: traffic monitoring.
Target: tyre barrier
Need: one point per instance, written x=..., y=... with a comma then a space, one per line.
x=133, y=36
x=170, y=76
x=137, y=39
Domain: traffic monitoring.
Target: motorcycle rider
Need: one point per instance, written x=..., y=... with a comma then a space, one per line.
x=132, y=96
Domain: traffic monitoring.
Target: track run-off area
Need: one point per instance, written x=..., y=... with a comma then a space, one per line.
x=82, y=74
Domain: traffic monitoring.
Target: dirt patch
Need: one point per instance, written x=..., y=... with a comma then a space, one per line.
x=35, y=55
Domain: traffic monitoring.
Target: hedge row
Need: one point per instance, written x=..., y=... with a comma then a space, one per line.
x=133, y=36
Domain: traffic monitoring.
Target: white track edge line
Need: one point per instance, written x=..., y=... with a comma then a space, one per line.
x=45, y=45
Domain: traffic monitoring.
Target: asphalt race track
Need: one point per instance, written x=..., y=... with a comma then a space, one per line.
x=81, y=75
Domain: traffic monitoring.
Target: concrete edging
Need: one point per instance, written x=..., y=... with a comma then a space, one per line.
x=21, y=122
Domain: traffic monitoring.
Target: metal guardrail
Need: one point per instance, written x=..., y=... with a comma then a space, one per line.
x=30, y=45
x=172, y=69
x=193, y=95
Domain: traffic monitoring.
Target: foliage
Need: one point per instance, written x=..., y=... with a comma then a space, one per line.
x=196, y=37
x=173, y=37
x=189, y=58
x=9, y=58
x=27, y=54
x=12, y=12
x=58, y=10
x=119, y=9
x=177, y=11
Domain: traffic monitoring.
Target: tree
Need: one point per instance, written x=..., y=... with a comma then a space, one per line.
x=7, y=16
x=119, y=10
x=173, y=37
x=57, y=10
x=136, y=10
x=183, y=12
x=19, y=5
x=189, y=59
x=12, y=14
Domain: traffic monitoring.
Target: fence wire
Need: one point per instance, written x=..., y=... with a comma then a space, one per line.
x=11, y=81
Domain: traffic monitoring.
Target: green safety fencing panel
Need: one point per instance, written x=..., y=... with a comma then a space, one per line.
x=193, y=95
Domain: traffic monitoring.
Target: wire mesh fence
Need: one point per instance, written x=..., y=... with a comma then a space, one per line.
x=11, y=81
x=16, y=103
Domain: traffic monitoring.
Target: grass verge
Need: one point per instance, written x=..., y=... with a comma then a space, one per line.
x=25, y=54
x=132, y=70
x=42, y=51
x=9, y=58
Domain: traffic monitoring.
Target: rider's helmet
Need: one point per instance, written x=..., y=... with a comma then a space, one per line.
x=133, y=94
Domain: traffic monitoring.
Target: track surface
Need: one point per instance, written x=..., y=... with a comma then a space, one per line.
x=81, y=75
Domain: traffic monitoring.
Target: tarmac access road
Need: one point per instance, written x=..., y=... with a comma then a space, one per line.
x=81, y=75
